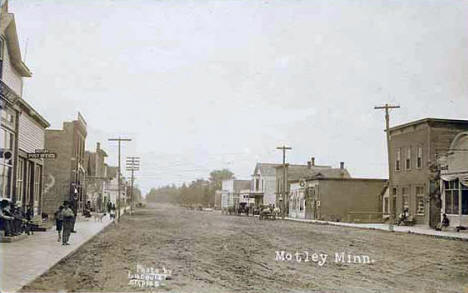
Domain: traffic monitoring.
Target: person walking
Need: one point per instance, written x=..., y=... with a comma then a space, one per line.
x=68, y=215
x=59, y=222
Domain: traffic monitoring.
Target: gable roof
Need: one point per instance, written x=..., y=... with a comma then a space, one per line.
x=266, y=169
x=296, y=172
x=8, y=28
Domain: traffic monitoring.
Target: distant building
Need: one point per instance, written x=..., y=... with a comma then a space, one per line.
x=414, y=147
x=297, y=172
x=217, y=200
x=66, y=174
x=234, y=191
x=336, y=199
x=264, y=183
x=96, y=176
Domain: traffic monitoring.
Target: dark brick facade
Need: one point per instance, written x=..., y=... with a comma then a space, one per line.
x=66, y=171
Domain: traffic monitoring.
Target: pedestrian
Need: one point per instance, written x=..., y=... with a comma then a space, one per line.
x=68, y=215
x=59, y=222
x=74, y=207
x=109, y=206
x=112, y=211
x=6, y=221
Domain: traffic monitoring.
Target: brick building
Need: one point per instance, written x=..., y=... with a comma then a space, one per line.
x=66, y=174
x=414, y=146
x=96, y=177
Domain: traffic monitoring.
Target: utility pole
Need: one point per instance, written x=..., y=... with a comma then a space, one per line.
x=118, y=175
x=285, y=182
x=387, y=107
x=133, y=164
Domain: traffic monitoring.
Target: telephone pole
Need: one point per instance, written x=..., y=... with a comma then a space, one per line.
x=283, y=202
x=119, y=140
x=133, y=164
x=387, y=107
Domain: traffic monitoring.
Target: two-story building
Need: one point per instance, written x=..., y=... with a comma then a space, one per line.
x=234, y=191
x=414, y=147
x=22, y=127
x=96, y=176
x=264, y=183
x=66, y=174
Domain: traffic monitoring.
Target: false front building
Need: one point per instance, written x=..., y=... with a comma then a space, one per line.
x=65, y=176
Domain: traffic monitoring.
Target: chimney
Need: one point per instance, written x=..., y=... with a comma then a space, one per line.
x=341, y=165
x=309, y=164
x=98, y=146
x=312, y=161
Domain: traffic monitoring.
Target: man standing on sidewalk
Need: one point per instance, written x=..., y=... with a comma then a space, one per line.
x=68, y=216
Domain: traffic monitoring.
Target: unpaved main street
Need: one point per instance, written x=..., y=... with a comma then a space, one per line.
x=209, y=252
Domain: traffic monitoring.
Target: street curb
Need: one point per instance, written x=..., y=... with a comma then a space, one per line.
x=72, y=252
x=377, y=229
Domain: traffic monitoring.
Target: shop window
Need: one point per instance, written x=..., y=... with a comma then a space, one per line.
x=420, y=200
x=405, y=199
x=20, y=180
x=452, y=198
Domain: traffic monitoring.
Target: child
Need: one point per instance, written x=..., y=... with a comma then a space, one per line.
x=59, y=222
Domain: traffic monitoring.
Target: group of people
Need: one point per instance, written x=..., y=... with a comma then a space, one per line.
x=14, y=220
x=65, y=218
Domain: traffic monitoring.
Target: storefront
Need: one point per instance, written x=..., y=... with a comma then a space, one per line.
x=7, y=143
x=454, y=181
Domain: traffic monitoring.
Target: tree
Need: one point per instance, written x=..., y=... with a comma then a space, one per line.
x=217, y=177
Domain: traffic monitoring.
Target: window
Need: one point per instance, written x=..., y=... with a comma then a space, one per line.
x=6, y=165
x=20, y=180
x=408, y=159
x=419, y=200
x=385, y=208
x=419, y=160
x=2, y=47
x=256, y=184
x=397, y=163
x=404, y=197
x=37, y=185
x=452, y=198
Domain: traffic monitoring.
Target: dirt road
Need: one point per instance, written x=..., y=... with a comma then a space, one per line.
x=209, y=252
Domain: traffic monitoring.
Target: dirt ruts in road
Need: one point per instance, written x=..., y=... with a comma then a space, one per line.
x=210, y=252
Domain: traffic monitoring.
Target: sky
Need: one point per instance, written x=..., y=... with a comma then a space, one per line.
x=204, y=85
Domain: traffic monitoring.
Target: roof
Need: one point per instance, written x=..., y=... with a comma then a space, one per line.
x=266, y=169
x=8, y=27
x=428, y=120
x=296, y=172
x=31, y=112
x=241, y=184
